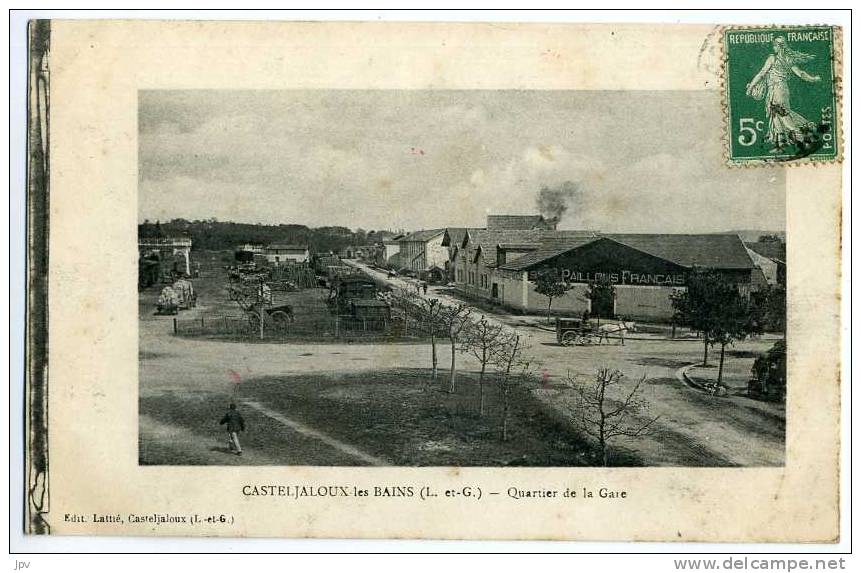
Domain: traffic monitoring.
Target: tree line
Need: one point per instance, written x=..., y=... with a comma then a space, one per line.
x=214, y=235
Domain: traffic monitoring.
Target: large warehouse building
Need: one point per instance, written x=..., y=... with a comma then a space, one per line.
x=500, y=266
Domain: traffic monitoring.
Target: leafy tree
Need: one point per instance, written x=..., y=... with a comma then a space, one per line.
x=597, y=290
x=482, y=340
x=713, y=306
x=769, y=308
x=697, y=305
x=549, y=283
x=606, y=414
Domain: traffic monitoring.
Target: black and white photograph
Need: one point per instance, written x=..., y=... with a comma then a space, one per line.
x=486, y=278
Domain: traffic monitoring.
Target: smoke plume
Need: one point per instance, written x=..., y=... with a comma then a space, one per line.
x=553, y=202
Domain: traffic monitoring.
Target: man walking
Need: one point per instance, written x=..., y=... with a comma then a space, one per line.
x=235, y=424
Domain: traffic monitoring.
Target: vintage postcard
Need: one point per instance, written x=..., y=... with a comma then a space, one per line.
x=445, y=281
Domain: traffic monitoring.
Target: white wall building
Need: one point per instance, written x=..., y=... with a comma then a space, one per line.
x=423, y=250
x=278, y=254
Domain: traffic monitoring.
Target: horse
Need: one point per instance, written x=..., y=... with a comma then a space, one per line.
x=616, y=328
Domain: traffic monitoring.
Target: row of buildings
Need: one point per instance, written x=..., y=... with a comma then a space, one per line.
x=499, y=262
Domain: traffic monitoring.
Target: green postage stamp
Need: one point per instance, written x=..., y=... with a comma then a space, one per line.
x=782, y=94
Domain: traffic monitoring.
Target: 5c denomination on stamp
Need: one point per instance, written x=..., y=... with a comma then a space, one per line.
x=782, y=89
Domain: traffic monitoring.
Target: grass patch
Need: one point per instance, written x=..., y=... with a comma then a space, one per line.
x=395, y=415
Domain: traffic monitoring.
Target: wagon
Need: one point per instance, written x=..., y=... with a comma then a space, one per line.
x=279, y=317
x=576, y=331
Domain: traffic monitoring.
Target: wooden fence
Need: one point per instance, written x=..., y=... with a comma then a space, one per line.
x=315, y=326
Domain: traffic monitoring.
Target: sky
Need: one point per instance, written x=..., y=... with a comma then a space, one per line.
x=640, y=161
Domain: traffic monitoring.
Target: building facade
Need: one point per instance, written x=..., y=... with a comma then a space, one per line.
x=277, y=254
x=172, y=253
x=645, y=270
x=423, y=251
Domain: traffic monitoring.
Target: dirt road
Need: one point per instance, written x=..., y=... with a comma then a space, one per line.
x=185, y=383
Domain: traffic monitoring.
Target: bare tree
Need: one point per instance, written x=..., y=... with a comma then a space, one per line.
x=427, y=311
x=508, y=357
x=432, y=311
x=606, y=419
x=482, y=339
x=455, y=318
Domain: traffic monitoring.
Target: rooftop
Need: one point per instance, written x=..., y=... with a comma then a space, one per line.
x=454, y=235
x=707, y=250
x=423, y=235
x=486, y=240
x=775, y=250
x=714, y=251
x=517, y=222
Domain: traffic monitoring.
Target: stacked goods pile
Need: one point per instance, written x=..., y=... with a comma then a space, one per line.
x=168, y=301
x=293, y=276
x=185, y=292
x=322, y=261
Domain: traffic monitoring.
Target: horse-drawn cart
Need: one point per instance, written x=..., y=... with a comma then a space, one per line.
x=571, y=331
x=576, y=331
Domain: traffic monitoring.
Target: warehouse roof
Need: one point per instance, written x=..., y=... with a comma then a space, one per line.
x=485, y=241
x=493, y=237
x=775, y=250
x=550, y=248
x=423, y=236
x=454, y=235
x=519, y=246
x=516, y=222
x=711, y=251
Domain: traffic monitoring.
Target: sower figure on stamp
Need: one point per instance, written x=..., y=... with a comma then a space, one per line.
x=785, y=126
x=235, y=424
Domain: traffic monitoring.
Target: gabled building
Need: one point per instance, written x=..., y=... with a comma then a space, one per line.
x=423, y=251
x=454, y=236
x=483, y=252
x=388, y=252
x=645, y=269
